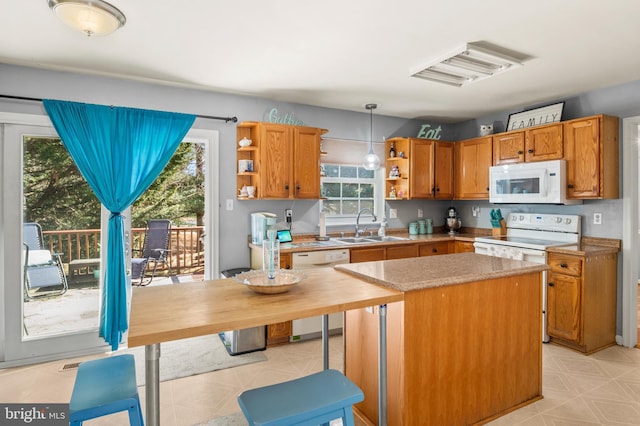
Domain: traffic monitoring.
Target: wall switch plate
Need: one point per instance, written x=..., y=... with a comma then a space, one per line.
x=597, y=218
x=420, y=213
x=393, y=213
x=229, y=204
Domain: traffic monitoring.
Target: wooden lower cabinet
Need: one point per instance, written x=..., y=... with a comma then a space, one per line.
x=434, y=249
x=455, y=356
x=582, y=300
x=402, y=251
x=367, y=254
x=464, y=247
x=279, y=333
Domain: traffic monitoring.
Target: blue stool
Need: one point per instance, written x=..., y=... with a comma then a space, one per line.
x=105, y=386
x=311, y=400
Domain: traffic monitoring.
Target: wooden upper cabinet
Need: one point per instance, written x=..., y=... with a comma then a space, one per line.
x=591, y=151
x=536, y=144
x=425, y=170
x=544, y=143
x=286, y=160
x=422, y=162
x=473, y=157
x=277, y=159
x=508, y=148
x=443, y=175
x=306, y=162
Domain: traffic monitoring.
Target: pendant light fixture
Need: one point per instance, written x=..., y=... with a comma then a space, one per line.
x=92, y=17
x=371, y=161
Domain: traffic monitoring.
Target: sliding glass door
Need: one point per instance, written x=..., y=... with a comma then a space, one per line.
x=53, y=239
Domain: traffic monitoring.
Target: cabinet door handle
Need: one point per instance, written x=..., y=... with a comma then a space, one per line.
x=563, y=265
x=550, y=284
x=530, y=151
x=287, y=266
x=297, y=187
x=286, y=187
x=520, y=152
x=434, y=250
x=570, y=186
x=437, y=189
x=487, y=189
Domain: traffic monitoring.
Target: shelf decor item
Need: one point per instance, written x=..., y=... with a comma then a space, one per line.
x=535, y=117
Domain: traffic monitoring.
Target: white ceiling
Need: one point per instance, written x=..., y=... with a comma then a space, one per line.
x=343, y=53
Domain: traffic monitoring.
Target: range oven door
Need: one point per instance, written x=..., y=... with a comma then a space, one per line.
x=528, y=255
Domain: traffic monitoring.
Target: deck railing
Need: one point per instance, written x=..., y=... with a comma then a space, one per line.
x=186, y=247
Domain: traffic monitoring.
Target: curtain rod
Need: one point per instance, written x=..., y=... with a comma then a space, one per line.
x=24, y=98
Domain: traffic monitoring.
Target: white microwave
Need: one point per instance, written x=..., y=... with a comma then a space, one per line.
x=530, y=183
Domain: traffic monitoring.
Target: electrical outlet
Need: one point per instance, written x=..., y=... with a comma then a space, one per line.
x=420, y=213
x=393, y=213
x=288, y=215
x=597, y=218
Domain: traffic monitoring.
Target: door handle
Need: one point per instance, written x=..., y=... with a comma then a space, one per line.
x=550, y=284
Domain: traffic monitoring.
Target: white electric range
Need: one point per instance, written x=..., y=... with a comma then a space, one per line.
x=528, y=237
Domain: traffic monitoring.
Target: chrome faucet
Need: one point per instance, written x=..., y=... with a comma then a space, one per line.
x=359, y=231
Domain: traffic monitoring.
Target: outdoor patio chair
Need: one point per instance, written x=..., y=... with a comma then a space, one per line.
x=155, y=249
x=42, y=268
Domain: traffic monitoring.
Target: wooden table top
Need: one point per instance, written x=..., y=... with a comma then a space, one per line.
x=179, y=311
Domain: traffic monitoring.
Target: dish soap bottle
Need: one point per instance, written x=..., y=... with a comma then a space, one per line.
x=382, y=231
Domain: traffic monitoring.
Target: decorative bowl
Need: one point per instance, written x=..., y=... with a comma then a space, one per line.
x=245, y=142
x=259, y=282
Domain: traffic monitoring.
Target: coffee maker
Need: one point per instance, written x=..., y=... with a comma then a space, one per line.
x=260, y=223
x=452, y=223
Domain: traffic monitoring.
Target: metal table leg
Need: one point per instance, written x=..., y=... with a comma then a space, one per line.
x=382, y=367
x=325, y=341
x=152, y=383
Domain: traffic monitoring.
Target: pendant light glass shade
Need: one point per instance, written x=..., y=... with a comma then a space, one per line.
x=92, y=17
x=371, y=160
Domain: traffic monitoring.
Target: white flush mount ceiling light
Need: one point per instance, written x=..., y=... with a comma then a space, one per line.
x=465, y=65
x=92, y=17
x=371, y=160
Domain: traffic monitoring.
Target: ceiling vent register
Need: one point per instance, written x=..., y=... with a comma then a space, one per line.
x=465, y=65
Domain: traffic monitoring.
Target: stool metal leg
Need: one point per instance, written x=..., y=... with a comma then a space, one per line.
x=325, y=341
x=382, y=367
x=152, y=383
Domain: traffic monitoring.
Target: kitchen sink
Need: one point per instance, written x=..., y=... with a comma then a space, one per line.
x=353, y=240
x=364, y=240
x=385, y=239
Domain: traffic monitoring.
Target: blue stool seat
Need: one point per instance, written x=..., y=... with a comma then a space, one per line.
x=105, y=386
x=310, y=400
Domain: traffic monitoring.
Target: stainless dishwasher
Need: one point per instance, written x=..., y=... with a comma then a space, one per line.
x=311, y=328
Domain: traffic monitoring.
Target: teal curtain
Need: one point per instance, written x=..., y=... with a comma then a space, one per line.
x=120, y=152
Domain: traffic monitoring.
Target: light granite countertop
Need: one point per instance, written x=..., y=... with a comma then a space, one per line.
x=418, y=273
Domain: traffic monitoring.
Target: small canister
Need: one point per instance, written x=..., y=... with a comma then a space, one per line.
x=413, y=228
x=422, y=227
x=429, y=226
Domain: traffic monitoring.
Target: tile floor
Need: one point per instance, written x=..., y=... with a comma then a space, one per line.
x=601, y=389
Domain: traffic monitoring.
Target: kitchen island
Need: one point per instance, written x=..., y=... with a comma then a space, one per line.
x=464, y=345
